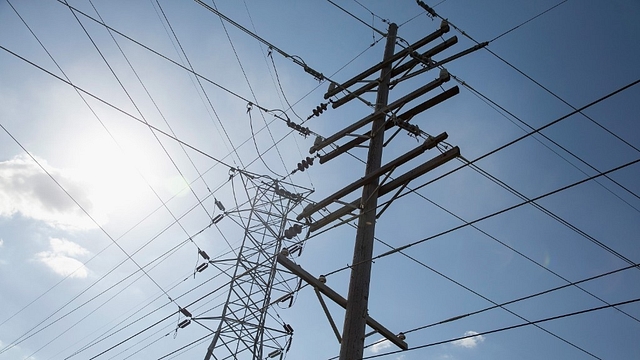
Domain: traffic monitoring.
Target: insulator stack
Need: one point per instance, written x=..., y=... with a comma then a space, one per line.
x=304, y=164
x=289, y=195
x=411, y=128
x=288, y=329
x=204, y=254
x=183, y=324
x=317, y=75
x=202, y=267
x=219, y=204
x=318, y=110
x=293, y=231
x=299, y=128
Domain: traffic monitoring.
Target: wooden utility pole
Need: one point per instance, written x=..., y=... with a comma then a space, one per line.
x=385, y=116
x=352, y=345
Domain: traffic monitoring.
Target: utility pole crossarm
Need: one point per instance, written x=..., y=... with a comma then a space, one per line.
x=390, y=186
x=381, y=111
x=338, y=299
x=444, y=28
x=374, y=174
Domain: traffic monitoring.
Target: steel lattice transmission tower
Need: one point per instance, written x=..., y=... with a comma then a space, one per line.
x=248, y=327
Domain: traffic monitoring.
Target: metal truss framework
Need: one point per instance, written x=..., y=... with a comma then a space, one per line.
x=248, y=326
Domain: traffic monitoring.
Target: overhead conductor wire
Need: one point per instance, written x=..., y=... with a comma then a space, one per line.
x=249, y=106
x=84, y=211
x=175, y=36
x=535, y=322
x=200, y=202
x=129, y=96
x=547, y=10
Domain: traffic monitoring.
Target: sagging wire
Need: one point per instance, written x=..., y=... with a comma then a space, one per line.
x=255, y=144
x=296, y=59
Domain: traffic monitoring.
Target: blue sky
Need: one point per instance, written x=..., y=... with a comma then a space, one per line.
x=65, y=285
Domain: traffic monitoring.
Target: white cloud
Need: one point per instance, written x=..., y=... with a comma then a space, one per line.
x=470, y=341
x=1, y=242
x=26, y=189
x=379, y=346
x=61, y=258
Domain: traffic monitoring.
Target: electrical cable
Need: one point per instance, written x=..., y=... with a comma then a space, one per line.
x=295, y=59
x=166, y=317
x=205, y=78
x=474, y=292
x=275, y=70
x=30, y=333
x=76, y=88
x=155, y=104
x=197, y=286
x=88, y=105
x=527, y=21
x=15, y=10
x=510, y=327
x=484, y=173
x=633, y=162
x=431, y=11
x=357, y=18
x=574, y=283
x=104, y=336
x=537, y=130
x=198, y=75
x=22, y=337
x=386, y=21
x=83, y=210
x=138, y=109
x=117, y=108
x=249, y=108
x=231, y=247
x=233, y=148
x=275, y=79
x=419, y=14
x=499, y=108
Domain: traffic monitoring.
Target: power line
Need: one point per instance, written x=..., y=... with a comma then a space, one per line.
x=176, y=220
x=233, y=148
x=510, y=327
x=244, y=73
x=529, y=20
x=84, y=211
x=433, y=13
x=138, y=109
x=537, y=130
x=386, y=21
x=573, y=283
x=527, y=201
x=521, y=204
x=191, y=71
x=30, y=333
x=357, y=18
x=277, y=84
x=116, y=108
x=495, y=105
x=296, y=59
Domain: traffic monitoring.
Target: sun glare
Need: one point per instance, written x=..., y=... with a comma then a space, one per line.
x=115, y=181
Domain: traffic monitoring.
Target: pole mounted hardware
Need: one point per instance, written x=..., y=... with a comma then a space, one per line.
x=444, y=28
x=389, y=187
x=321, y=287
x=367, y=179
